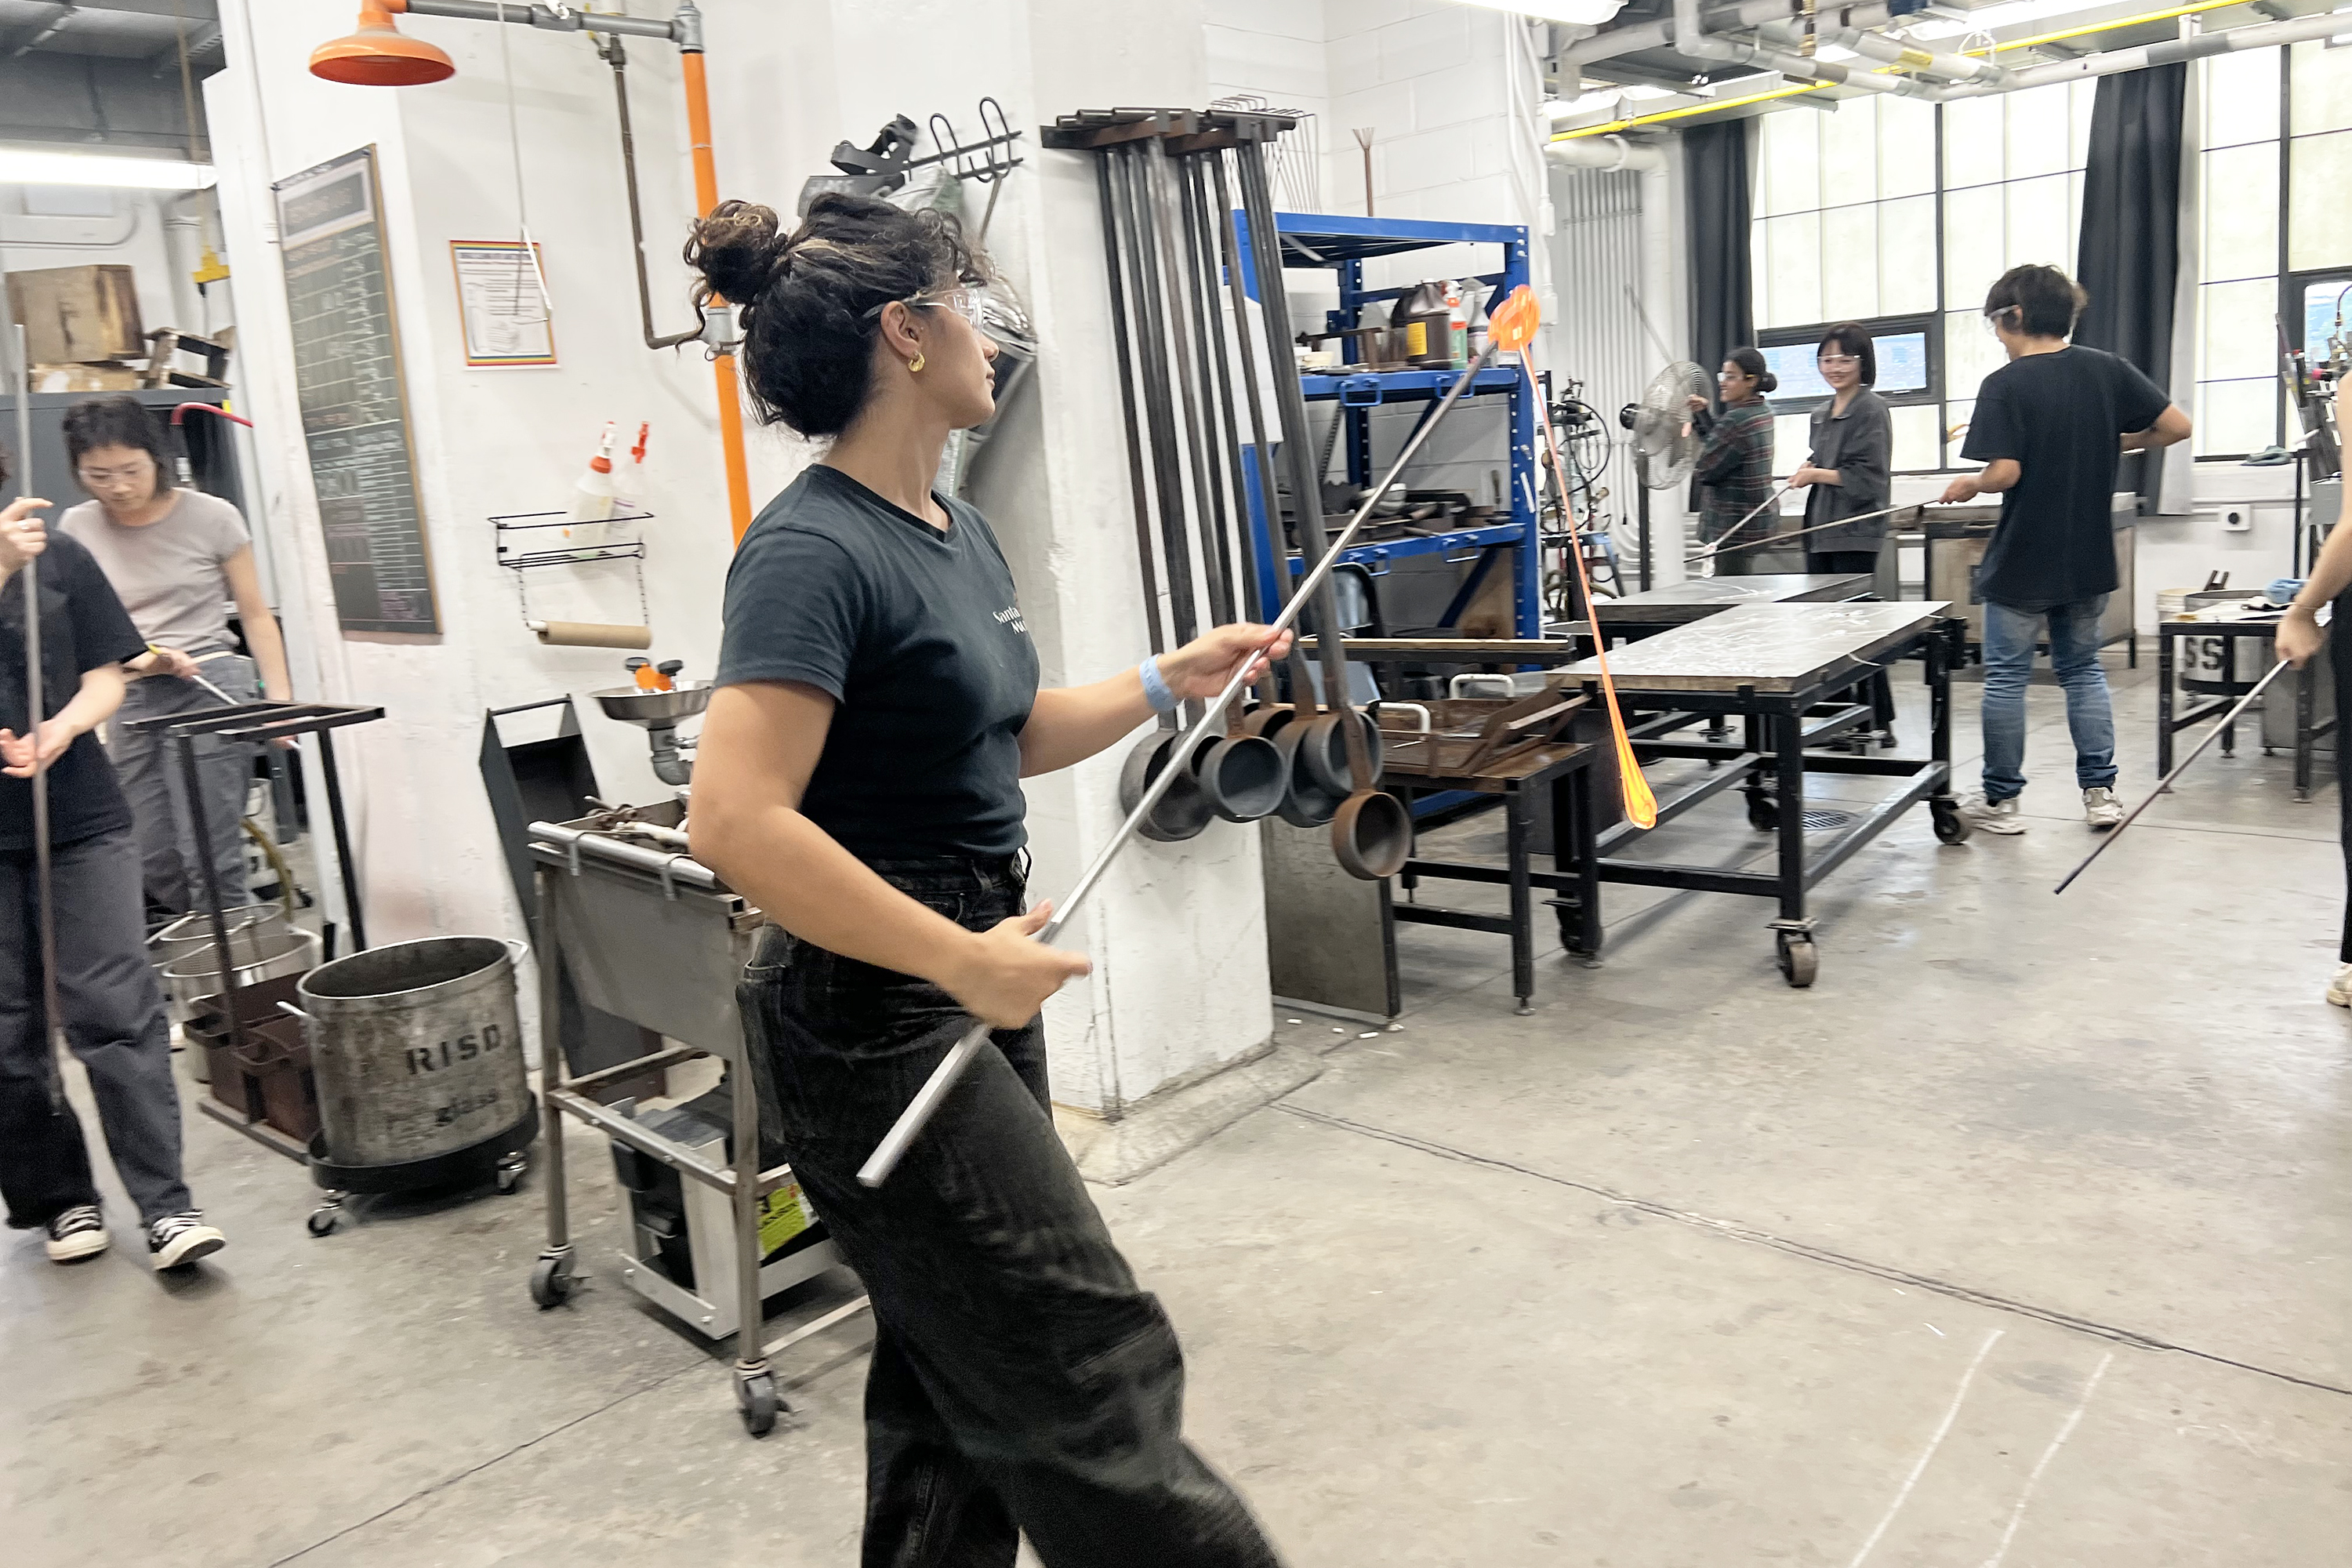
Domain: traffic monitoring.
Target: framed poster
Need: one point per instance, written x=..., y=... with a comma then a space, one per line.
x=347, y=376
x=501, y=297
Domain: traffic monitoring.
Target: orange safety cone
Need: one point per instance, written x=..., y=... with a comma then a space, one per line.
x=1512, y=326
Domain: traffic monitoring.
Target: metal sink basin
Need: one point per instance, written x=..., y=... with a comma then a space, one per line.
x=653, y=709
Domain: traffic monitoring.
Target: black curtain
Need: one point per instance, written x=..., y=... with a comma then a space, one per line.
x=2129, y=258
x=1722, y=303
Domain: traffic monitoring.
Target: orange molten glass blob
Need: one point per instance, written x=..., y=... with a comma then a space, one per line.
x=377, y=56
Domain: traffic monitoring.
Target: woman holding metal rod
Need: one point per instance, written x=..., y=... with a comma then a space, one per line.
x=859, y=781
x=1852, y=447
x=1734, y=462
x=179, y=559
x=110, y=1001
x=2300, y=635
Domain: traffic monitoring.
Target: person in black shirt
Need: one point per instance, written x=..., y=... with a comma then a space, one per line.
x=2049, y=426
x=112, y=1003
x=858, y=779
x=2300, y=635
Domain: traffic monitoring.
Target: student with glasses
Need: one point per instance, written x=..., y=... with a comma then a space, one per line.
x=859, y=780
x=110, y=1001
x=181, y=560
x=2049, y=426
x=1849, y=471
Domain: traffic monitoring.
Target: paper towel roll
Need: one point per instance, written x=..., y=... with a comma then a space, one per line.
x=591, y=634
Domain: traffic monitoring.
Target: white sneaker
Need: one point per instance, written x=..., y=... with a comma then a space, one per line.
x=1992, y=815
x=2100, y=809
x=2339, y=991
x=77, y=1234
x=178, y=1239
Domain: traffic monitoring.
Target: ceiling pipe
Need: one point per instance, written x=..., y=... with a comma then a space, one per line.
x=2262, y=35
x=1648, y=160
x=1693, y=41
x=561, y=19
x=1889, y=51
x=1636, y=36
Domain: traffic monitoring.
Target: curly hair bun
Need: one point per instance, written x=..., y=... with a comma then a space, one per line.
x=737, y=249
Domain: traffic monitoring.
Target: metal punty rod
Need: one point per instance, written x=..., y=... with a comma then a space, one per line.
x=35, y=715
x=919, y=1110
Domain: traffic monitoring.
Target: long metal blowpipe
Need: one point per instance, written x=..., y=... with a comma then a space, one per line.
x=2166, y=782
x=1723, y=549
x=36, y=710
x=919, y=1110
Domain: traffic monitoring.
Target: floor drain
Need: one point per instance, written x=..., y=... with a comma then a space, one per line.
x=1820, y=821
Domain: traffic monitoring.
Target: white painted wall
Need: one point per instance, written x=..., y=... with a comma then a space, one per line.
x=1177, y=932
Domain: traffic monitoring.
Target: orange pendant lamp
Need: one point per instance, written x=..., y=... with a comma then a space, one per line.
x=377, y=56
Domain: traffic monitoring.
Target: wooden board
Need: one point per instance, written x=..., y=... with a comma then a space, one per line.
x=347, y=373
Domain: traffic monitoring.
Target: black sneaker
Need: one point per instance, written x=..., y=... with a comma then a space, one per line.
x=77, y=1234
x=179, y=1239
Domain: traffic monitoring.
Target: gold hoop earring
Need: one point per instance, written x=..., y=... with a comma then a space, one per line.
x=915, y=365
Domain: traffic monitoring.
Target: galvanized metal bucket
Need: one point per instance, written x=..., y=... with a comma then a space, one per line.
x=417, y=1049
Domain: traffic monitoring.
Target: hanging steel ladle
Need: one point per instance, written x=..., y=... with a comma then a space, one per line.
x=952, y=1066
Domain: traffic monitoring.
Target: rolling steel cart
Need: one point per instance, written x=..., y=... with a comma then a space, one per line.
x=650, y=935
x=1780, y=668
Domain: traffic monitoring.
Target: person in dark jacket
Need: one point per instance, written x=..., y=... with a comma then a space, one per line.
x=1735, y=463
x=1853, y=453
x=110, y=1001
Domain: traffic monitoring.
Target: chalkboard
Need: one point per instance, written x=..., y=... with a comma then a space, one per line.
x=354, y=407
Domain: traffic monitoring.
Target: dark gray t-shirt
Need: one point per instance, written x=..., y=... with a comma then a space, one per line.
x=917, y=636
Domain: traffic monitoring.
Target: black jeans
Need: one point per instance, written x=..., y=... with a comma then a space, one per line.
x=115, y=1024
x=1022, y=1382
x=2339, y=662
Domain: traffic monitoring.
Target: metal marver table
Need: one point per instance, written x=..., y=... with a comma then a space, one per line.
x=1696, y=598
x=1773, y=666
x=2308, y=726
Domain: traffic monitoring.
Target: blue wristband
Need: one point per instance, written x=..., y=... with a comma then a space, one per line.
x=1155, y=686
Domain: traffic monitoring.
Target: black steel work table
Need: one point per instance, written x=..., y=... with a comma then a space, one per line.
x=1777, y=667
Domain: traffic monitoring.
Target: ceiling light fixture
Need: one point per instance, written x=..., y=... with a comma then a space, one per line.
x=40, y=166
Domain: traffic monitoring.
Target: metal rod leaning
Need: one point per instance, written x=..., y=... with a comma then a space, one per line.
x=1712, y=550
x=2166, y=782
x=44, y=886
x=926, y=1103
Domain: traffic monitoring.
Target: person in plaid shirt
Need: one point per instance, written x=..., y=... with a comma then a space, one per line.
x=1735, y=462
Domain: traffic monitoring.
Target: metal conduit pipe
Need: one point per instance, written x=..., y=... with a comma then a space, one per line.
x=2263, y=35
x=1655, y=220
x=554, y=18
x=1693, y=40
x=1891, y=51
x=1640, y=36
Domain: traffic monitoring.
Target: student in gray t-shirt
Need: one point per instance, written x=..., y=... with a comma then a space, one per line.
x=178, y=559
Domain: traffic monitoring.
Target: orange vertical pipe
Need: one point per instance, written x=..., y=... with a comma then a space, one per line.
x=706, y=196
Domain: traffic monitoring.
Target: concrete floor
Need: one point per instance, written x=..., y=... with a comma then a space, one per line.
x=2020, y=1239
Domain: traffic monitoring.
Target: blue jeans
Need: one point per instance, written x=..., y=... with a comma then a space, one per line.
x=2009, y=639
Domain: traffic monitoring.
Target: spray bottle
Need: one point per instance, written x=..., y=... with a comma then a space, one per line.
x=592, y=499
x=1457, y=326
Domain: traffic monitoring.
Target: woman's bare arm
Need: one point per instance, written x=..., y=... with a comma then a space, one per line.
x=760, y=745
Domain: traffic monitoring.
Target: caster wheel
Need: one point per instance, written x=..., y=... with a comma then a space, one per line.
x=551, y=1281
x=1951, y=827
x=1763, y=814
x=1799, y=962
x=323, y=1222
x=755, y=1398
x=509, y=1178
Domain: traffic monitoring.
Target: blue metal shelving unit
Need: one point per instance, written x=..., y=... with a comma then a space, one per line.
x=1343, y=245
